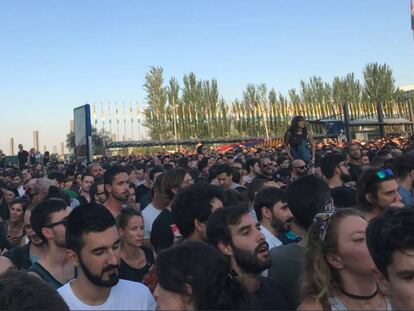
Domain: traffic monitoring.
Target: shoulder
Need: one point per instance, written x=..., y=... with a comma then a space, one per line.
x=311, y=304
x=131, y=289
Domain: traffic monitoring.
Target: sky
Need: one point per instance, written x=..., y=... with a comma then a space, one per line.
x=56, y=55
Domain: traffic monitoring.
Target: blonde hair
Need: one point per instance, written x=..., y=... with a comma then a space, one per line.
x=320, y=280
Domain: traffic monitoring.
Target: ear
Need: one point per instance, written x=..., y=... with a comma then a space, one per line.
x=121, y=232
x=174, y=190
x=334, y=260
x=199, y=226
x=108, y=188
x=47, y=232
x=266, y=213
x=369, y=198
x=382, y=282
x=225, y=248
x=72, y=257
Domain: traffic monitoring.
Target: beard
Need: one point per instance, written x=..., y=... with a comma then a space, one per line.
x=346, y=178
x=249, y=262
x=279, y=225
x=121, y=197
x=113, y=278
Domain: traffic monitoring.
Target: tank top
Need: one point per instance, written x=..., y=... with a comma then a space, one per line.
x=336, y=304
x=45, y=275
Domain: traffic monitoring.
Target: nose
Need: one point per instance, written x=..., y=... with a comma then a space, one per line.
x=113, y=257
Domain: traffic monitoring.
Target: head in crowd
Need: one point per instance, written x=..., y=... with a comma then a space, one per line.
x=155, y=172
x=299, y=168
x=223, y=173
x=298, y=122
x=336, y=253
x=237, y=234
x=334, y=166
x=131, y=227
x=196, y=276
x=22, y=291
x=87, y=181
x=253, y=167
x=17, y=208
x=174, y=180
x=116, y=184
x=97, y=193
x=39, y=189
x=233, y=197
x=404, y=169
x=49, y=220
x=93, y=244
x=96, y=171
x=16, y=180
x=390, y=239
x=306, y=197
x=272, y=210
x=192, y=208
x=266, y=167
x=28, y=228
x=354, y=152
x=377, y=190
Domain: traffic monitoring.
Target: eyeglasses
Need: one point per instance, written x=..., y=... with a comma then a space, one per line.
x=383, y=173
x=64, y=222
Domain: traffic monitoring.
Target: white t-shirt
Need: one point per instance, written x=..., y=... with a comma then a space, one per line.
x=270, y=238
x=126, y=295
x=150, y=213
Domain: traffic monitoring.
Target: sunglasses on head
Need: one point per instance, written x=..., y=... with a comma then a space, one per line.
x=383, y=173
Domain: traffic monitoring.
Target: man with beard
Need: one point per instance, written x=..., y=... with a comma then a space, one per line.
x=96, y=171
x=336, y=171
x=116, y=183
x=270, y=205
x=24, y=257
x=94, y=248
x=354, y=161
x=49, y=220
x=377, y=191
x=237, y=235
x=299, y=169
x=266, y=168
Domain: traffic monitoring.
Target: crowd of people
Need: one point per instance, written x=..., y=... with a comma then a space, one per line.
x=308, y=226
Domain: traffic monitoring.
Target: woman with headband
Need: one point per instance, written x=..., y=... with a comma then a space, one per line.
x=339, y=269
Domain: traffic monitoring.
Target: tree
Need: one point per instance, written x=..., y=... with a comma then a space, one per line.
x=155, y=113
x=99, y=141
x=379, y=86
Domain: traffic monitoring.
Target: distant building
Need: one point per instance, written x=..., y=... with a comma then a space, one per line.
x=62, y=148
x=55, y=149
x=12, y=146
x=44, y=149
x=36, y=140
x=72, y=125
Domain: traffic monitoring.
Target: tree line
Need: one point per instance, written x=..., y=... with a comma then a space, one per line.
x=195, y=109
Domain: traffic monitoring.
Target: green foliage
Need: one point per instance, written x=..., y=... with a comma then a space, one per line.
x=196, y=110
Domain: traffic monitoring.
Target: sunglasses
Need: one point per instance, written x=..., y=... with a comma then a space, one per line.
x=383, y=173
x=300, y=167
x=64, y=222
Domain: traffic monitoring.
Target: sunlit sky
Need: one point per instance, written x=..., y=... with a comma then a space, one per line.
x=57, y=55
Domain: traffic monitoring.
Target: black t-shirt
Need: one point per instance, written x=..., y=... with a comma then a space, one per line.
x=271, y=296
x=23, y=156
x=140, y=191
x=20, y=257
x=354, y=171
x=162, y=236
x=127, y=272
x=344, y=196
x=4, y=210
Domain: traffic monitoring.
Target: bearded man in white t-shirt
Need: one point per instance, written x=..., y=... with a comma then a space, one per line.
x=94, y=249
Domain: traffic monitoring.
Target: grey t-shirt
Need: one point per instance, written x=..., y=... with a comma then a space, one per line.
x=287, y=267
